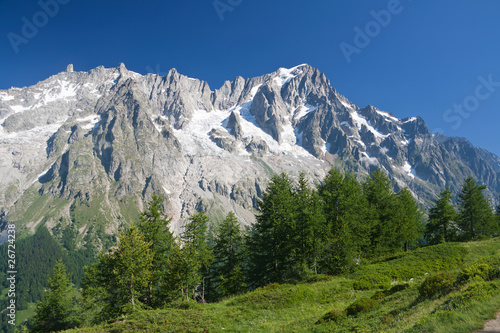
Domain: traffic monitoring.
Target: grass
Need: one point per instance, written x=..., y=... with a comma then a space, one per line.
x=301, y=307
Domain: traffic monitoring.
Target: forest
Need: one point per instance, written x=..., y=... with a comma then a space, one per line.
x=301, y=231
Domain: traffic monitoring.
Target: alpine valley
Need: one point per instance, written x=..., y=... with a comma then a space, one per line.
x=89, y=149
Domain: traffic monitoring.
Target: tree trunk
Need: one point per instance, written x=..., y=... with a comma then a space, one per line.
x=132, y=294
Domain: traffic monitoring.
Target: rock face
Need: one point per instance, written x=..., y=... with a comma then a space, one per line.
x=90, y=148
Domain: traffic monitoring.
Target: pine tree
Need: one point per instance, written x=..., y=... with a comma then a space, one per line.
x=272, y=238
x=53, y=312
x=310, y=226
x=408, y=218
x=228, y=254
x=345, y=210
x=442, y=219
x=155, y=229
x=382, y=204
x=133, y=263
x=114, y=284
x=476, y=216
x=195, y=257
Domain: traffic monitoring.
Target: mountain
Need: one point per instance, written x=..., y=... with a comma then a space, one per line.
x=88, y=149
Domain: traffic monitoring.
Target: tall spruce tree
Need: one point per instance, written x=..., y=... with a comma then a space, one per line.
x=345, y=211
x=442, y=220
x=195, y=256
x=311, y=228
x=117, y=282
x=53, y=312
x=226, y=271
x=155, y=229
x=378, y=190
x=272, y=237
x=408, y=219
x=476, y=217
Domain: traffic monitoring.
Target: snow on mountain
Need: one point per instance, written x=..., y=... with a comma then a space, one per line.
x=117, y=137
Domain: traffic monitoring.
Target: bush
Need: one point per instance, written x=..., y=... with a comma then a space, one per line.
x=437, y=285
x=332, y=316
x=372, y=281
x=363, y=304
x=384, y=293
x=481, y=272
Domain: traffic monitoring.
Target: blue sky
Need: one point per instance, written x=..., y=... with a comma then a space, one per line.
x=436, y=59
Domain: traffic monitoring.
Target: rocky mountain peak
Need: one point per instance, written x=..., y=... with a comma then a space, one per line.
x=110, y=138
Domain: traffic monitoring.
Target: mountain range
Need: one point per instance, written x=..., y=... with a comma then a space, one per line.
x=86, y=150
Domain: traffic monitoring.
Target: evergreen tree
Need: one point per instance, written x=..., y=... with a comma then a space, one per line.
x=476, y=216
x=114, y=284
x=442, y=219
x=228, y=278
x=53, y=312
x=155, y=229
x=382, y=205
x=498, y=218
x=195, y=256
x=310, y=227
x=345, y=211
x=133, y=263
x=272, y=238
x=409, y=219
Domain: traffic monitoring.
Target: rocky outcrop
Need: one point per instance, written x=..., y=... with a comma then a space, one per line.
x=104, y=141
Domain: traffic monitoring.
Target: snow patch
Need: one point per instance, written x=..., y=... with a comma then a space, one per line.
x=92, y=121
x=19, y=108
x=409, y=170
x=285, y=75
x=360, y=121
x=409, y=120
x=5, y=97
x=303, y=111
x=368, y=159
x=387, y=115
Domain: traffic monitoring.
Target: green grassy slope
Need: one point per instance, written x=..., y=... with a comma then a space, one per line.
x=319, y=306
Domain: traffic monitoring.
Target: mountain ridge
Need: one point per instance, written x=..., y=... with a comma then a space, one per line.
x=110, y=138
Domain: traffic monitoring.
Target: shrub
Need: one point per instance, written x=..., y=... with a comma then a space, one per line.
x=363, y=304
x=332, y=316
x=481, y=272
x=384, y=293
x=372, y=281
x=388, y=319
x=437, y=285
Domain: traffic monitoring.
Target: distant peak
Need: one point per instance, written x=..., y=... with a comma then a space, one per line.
x=122, y=67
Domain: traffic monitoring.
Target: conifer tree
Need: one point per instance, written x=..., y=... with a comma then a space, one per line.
x=53, y=312
x=228, y=259
x=345, y=210
x=272, y=238
x=114, y=284
x=310, y=226
x=155, y=229
x=408, y=219
x=378, y=190
x=476, y=217
x=195, y=257
x=442, y=219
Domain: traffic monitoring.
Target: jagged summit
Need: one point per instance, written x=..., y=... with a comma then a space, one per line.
x=109, y=138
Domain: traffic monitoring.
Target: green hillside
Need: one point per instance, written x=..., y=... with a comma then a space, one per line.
x=389, y=302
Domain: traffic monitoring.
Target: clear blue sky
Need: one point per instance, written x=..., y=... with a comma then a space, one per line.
x=426, y=58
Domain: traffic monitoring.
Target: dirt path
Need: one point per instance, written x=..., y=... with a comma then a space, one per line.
x=491, y=326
